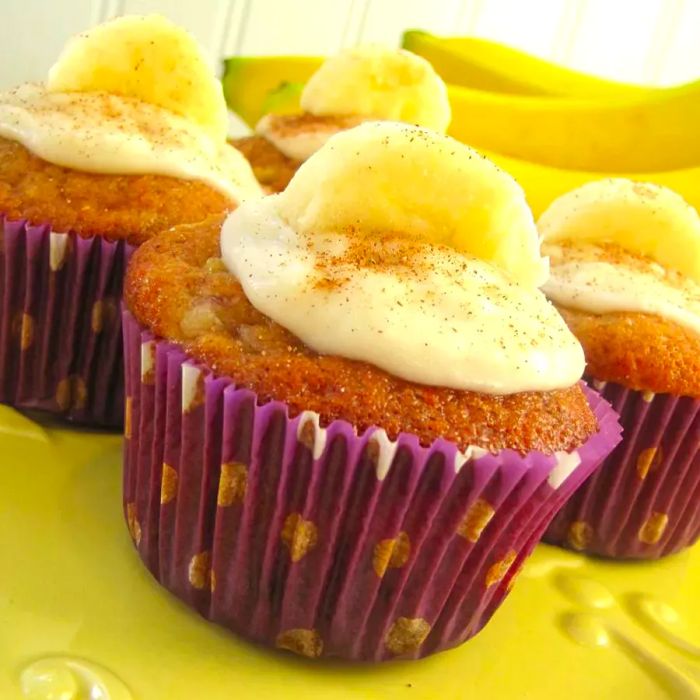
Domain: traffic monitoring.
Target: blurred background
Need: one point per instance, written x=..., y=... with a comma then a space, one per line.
x=645, y=41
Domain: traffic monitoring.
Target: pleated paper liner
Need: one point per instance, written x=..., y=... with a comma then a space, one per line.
x=643, y=502
x=60, y=330
x=318, y=540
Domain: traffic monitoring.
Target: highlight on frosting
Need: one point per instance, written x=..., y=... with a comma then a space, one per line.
x=361, y=83
x=380, y=83
x=131, y=96
x=623, y=246
x=405, y=249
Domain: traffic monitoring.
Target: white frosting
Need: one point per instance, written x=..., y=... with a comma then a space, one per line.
x=365, y=83
x=438, y=317
x=301, y=143
x=584, y=277
x=111, y=134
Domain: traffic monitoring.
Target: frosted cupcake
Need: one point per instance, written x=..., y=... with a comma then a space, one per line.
x=359, y=84
x=127, y=137
x=352, y=412
x=626, y=277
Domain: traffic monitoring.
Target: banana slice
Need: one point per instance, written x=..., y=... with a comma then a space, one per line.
x=379, y=82
x=391, y=177
x=148, y=58
x=638, y=216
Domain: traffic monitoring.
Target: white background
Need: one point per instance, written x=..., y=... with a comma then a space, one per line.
x=651, y=41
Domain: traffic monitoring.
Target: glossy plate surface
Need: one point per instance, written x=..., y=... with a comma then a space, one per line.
x=80, y=617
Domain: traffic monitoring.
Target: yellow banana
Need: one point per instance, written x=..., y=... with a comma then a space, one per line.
x=637, y=133
x=248, y=80
x=146, y=57
x=543, y=184
x=488, y=65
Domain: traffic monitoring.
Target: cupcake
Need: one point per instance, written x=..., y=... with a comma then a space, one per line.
x=351, y=411
x=626, y=277
x=357, y=85
x=126, y=137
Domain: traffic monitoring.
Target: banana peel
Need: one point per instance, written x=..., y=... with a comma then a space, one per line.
x=251, y=80
x=488, y=65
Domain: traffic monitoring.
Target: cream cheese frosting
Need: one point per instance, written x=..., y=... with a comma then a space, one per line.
x=370, y=83
x=400, y=281
x=595, y=279
x=113, y=134
x=130, y=96
x=301, y=141
x=621, y=246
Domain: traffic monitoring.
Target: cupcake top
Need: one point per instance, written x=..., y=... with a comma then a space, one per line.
x=393, y=283
x=130, y=97
x=359, y=84
x=625, y=266
x=434, y=281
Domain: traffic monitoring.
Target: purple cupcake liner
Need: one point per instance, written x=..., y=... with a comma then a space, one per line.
x=318, y=540
x=643, y=501
x=60, y=330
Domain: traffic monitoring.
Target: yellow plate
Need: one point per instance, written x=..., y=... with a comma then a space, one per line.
x=79, y=613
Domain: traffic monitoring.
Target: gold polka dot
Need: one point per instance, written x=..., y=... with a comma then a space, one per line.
x=103, y=314
x=168, y=484
x=233, y=483
x=133, y=523
x=71, y=392
x=110, y=312
x=127, y=417
x=498, y=570
x=199, y=572
x=299, y=535
x=391, y=553
x=653, y=528
x=406, y=635
x=648, y=460
x=476, y=519
x=23, y=330
x=96, y=319
x=301, y=641
x=580, y=535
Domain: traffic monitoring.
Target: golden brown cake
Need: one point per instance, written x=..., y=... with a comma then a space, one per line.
x=642, y=351
x=130, y=207
x=178, y=286
x=272, y=168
